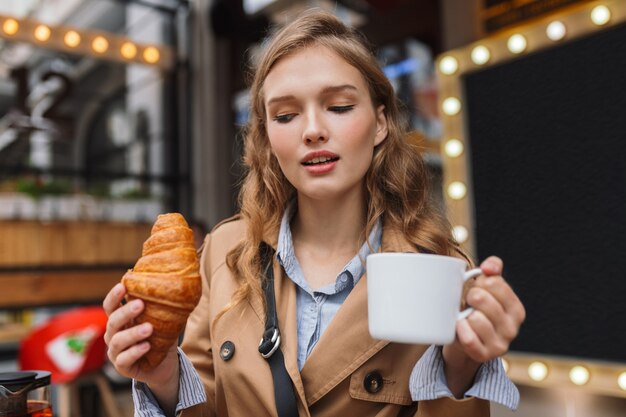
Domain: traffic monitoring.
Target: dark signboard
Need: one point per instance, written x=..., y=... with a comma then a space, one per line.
x=548, y=139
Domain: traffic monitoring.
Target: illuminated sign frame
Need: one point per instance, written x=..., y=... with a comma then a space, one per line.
x=528, y=369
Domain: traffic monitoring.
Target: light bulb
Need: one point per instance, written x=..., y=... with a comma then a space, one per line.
x=128, y=50
x=600, y=15
x=453, y=148
x=517, y=43
x=100, y=44
x=10, y=26
x=457, y=190
x=448, y=65
x=151, y=55
x=42, y=33
x=537, y=371
x=451, y=106
x=579, y=375
x=71, y=38
x=480, y=55
x=460, y=233
x=621, y=381
x=556, y=30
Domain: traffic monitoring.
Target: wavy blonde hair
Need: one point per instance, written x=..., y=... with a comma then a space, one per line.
x=396, y=184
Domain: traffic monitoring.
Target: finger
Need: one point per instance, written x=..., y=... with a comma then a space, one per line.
x=122, y=317
x=492, y=266
x=482, y=300
x=125, y=339
x=505, y=295
x=126, y=361
x=470, y=341
x=494, y=344
x=113, y=298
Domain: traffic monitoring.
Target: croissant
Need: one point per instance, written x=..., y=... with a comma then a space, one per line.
x=166, y=277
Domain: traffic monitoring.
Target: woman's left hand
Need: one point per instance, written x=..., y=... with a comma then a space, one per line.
x=486, y=333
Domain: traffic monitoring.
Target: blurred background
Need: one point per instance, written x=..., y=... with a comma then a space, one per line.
x=113, y=111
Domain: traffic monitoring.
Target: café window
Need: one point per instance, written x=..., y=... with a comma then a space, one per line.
x=88, y=109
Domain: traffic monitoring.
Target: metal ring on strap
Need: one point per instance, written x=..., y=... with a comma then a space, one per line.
x=275, y=344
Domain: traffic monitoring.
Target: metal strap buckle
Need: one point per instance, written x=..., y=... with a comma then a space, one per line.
x=275, y=344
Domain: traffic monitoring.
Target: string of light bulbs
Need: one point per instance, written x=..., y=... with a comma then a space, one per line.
x=595, y=377
x=103, y=45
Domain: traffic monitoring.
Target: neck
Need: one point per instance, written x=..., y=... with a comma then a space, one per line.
x=330, y=226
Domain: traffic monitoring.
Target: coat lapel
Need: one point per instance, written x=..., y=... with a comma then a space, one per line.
x=287, y=322
x=346, y=343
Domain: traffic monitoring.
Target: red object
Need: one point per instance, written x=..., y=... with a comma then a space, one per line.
x=33, y=354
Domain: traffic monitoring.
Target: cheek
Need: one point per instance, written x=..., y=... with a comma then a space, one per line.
x=362, y=140
x=360, y=134
x=279, y=145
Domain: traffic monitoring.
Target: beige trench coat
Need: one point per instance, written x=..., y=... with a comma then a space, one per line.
x=331, y=383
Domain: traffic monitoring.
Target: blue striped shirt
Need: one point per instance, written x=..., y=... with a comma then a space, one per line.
x=315, y=310
x=190, y=391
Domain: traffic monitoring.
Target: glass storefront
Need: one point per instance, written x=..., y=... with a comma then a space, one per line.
x=97, y=126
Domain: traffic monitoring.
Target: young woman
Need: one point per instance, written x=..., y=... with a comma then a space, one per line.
x=330, y=180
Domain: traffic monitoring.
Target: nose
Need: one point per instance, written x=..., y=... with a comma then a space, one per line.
x=315, y=129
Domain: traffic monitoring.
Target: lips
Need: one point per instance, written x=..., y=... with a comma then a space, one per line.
x=320, y=162
x=319, y=158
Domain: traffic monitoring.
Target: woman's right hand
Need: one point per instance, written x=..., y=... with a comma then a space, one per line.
x=127, y=343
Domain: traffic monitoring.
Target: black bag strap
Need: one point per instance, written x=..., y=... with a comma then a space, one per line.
x=269, y=347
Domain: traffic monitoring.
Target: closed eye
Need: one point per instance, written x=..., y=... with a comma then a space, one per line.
x=284, y=118
x=341, y=109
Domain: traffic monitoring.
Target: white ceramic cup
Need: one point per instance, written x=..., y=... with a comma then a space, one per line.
x=415, y=298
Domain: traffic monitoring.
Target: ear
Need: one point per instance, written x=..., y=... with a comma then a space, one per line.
x=381, y=125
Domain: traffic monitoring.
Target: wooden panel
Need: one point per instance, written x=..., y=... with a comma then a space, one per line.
x=57, y=287
x=30, y=243
x=52, y=242
x=16, y=243
x=82, y=243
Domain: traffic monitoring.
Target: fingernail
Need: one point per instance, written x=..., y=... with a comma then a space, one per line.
x=135, y=305
x=491, y=265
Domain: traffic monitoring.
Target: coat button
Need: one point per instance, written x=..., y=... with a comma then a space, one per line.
x=373, y=382
x=227, y=350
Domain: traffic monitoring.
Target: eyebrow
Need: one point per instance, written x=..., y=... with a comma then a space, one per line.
x=325, y=90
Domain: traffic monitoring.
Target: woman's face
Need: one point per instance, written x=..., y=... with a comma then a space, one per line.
x=321, y=123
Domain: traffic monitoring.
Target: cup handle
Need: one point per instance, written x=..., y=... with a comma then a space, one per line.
x=472, y=273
